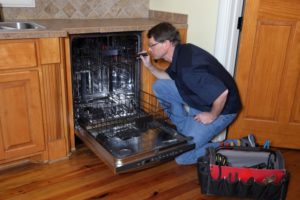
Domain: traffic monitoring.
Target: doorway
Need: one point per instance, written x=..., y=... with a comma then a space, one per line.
x=227, y=38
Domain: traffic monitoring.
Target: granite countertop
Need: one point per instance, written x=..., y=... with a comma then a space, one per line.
x=64, y=27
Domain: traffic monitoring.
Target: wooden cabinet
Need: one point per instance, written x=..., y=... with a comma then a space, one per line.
x=35, y=113
x=32, y=111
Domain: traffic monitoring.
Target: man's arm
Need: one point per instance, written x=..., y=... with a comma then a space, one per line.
x=159, y=74
x=217, y=107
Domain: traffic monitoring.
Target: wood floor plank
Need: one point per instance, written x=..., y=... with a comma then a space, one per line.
x=155, y=185
x=36, y=172
x=84, y=176
x=107, y=188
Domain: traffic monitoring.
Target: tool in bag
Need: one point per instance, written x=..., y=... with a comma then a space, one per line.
x=250, y=172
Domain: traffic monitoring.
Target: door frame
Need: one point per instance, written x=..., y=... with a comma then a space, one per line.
x=227, y=39
x=227, y=33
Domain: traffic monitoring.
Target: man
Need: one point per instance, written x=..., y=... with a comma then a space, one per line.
x=203, y=95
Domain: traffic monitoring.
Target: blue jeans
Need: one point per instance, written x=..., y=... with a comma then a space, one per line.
x=202, y=134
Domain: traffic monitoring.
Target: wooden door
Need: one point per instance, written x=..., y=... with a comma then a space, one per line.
x=268, y=73
x=21, y=121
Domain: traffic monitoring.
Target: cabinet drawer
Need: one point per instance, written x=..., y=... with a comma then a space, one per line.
x=17, y=54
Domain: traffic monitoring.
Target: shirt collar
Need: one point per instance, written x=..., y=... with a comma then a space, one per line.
x=174, y=58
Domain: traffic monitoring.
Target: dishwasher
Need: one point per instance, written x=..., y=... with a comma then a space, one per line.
x=127, y=128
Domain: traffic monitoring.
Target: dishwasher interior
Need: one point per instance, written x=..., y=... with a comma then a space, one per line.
x=125, y=127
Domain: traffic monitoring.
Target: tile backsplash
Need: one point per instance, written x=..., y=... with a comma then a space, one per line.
x=80, y=9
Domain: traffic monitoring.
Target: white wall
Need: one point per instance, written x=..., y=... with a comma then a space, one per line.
x=17, y=3
x=202, y=18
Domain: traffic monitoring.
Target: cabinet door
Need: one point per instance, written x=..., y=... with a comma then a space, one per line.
x=21, y=122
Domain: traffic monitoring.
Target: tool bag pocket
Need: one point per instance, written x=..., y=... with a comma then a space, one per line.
x=243, y=172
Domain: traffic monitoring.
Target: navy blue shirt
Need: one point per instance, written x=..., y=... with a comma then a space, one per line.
x=201, y=79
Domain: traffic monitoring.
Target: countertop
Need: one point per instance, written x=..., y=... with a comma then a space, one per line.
x=64, y=27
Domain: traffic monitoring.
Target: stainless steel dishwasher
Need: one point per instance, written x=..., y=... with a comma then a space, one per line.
x=124, y=126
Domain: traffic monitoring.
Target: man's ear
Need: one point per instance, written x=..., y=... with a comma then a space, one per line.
x=167, y=43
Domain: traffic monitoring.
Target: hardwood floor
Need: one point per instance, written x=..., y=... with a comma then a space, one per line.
x=84, y=176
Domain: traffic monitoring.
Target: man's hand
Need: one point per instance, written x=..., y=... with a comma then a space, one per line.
x=217, y=107
x=158, y=73
x=146, y=61
x=205, y=117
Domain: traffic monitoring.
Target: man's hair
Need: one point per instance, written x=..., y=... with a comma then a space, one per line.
x=164, y=31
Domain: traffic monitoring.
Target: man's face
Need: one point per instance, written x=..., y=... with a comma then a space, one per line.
x=157, y=49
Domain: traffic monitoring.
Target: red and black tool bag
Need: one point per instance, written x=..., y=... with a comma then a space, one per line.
x=244, y=172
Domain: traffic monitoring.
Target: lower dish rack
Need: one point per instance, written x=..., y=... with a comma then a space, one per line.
x=130, y=132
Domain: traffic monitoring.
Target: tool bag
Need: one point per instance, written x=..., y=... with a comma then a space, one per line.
x=245, y=172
